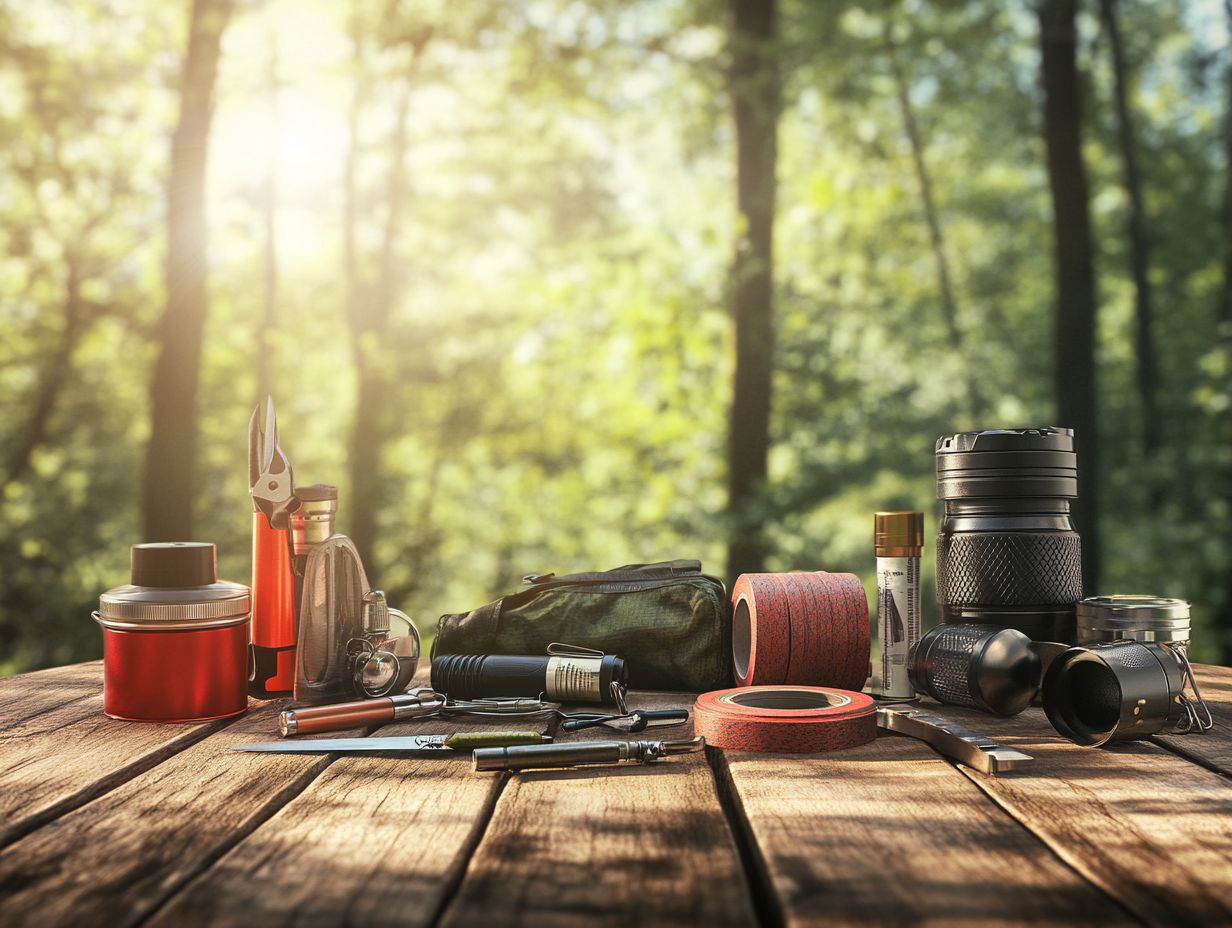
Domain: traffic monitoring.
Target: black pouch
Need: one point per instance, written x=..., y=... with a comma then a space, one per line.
x=669, y=621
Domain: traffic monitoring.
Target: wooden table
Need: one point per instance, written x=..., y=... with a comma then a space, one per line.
x=114, y=823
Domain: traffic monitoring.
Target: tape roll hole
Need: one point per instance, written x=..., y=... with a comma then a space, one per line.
x=742, y=637
x=787, y=699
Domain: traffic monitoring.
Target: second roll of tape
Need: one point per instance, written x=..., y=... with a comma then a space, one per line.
x=785, y=719
x=802, y=628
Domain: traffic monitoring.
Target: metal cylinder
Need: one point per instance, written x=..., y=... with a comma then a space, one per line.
x=175, y=640
x=561, y=678
x=1117, y=691
x=898, y=542
x=1134, y=618
x=528, y=757
x=313, y=521
x=1007, y=550
x=980, y=666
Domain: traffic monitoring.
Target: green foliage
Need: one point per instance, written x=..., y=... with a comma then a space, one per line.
x=560, y=354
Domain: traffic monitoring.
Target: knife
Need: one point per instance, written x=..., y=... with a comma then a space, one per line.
x=456, y=743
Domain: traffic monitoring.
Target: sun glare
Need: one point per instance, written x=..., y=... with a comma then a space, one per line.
x=281, y=112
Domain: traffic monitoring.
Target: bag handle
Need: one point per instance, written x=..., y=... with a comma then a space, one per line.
x=662, y=570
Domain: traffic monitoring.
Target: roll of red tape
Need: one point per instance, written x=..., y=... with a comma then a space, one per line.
x=785, y=719
x=803, y=628
x=761, y=630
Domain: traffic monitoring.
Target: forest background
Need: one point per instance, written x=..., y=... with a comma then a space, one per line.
x=567, y=284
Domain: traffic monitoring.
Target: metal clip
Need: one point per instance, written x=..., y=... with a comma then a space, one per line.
x=619, y=691
x=1197, y=713
x=557, y=649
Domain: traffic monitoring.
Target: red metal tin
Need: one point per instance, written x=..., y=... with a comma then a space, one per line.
x=175, y=675
x=175, y=640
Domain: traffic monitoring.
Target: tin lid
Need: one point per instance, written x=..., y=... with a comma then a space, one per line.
x=898, y=534
x=1142, y=618
x=174, y=585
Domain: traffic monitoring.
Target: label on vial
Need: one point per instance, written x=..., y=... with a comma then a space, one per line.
x=574, y=679
x=898, y=621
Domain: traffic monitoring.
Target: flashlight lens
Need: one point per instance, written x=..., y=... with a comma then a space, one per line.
x=1096, y=697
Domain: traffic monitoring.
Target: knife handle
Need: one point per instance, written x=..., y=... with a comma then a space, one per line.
x=469, y=740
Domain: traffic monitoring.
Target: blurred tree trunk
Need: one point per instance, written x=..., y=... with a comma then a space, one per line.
x=932, y=219
x=1075, y=271
x=370, y=307
x=754, y=86
x=171, y=454
x=1139, y=248
x=54, y=373
x=266, y=344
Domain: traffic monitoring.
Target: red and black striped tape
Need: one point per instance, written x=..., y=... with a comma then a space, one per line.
x=803, y=628
x=785, y=719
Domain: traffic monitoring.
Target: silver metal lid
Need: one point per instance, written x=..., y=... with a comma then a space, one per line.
x=142, y=607
x=1137, y=618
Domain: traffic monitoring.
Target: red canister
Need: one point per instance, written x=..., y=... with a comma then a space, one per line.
x=175, y=640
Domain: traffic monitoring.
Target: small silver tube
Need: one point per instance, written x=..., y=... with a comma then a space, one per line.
x=898, y=541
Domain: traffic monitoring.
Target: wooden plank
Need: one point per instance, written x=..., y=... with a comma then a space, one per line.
x=890, y=832
x=29, y=694
x=61, y=751
x=373, y=841
x=608, y=846
x=1212, y=749
x=1148, y=827
x=121, y=856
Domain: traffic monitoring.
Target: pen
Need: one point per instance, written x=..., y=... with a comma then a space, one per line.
x=312, y=719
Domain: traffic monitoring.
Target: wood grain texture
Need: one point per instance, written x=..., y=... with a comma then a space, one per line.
x=373, y=841
x=30, y=694
x=116, y=859
x=629, y=845
x=890, y=832
x=1212, y=749
x=60, y=751
x=1148, y=827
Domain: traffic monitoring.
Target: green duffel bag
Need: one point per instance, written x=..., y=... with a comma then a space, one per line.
x=669, y=621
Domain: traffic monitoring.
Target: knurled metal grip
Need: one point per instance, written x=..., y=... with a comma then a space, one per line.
x=1009, y=569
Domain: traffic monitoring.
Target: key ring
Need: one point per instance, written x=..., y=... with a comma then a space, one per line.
x=374, y=670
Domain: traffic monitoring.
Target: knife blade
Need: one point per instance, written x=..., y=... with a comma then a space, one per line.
x=456, y=743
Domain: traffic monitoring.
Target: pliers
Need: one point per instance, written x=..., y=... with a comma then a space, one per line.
x=270, y=482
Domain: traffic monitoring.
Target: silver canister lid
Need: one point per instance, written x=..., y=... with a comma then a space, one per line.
x=1136, y=618
x=174, y=586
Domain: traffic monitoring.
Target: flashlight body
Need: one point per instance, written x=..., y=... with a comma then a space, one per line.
x=560, y=678
x=1119, y=691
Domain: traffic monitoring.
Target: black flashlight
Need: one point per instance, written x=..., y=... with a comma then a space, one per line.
x=561, y=675
x=1117, y=691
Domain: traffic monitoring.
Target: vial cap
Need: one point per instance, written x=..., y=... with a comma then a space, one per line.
x=898, y=534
